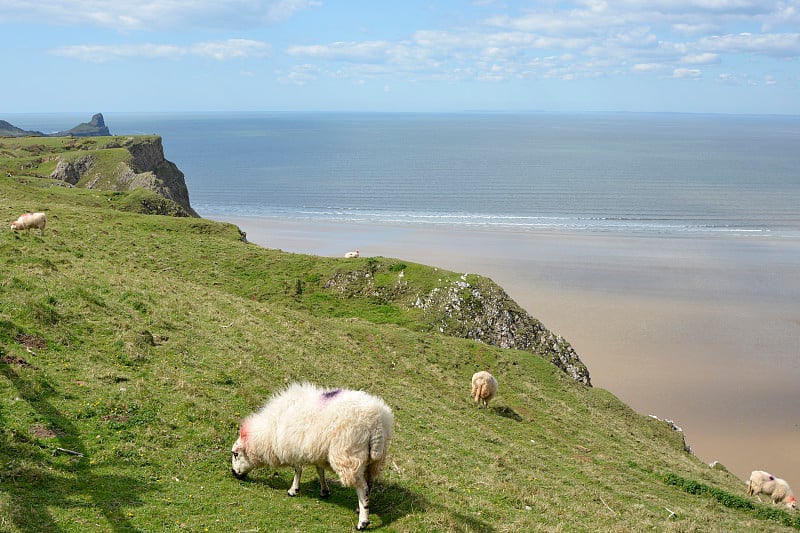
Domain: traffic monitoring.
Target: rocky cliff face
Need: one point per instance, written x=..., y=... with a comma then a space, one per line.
x=471, y=307
x=146, y=168
x=481, y=310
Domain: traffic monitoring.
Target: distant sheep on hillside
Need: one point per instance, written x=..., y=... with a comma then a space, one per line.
x=484, y=387
x=27, y=221
x=351, y=255
x=344, y=430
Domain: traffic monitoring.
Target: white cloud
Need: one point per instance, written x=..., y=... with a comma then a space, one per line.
x=706, y=58
x=230, y=49
x=103, y=53
x=344, y=51
x=647, y=67
x=151, y=14
x=299, y=74
x=701, y=28
x=768, y=44
x=686, y=73
x=220, y=50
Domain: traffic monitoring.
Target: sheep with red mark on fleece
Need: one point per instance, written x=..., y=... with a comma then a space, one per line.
x=27, y=221
x=343, y=430
x=776, y=488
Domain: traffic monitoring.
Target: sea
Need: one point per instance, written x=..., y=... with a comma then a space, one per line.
x=643, y=173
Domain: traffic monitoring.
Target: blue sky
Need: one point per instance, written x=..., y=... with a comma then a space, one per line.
x=697, y=56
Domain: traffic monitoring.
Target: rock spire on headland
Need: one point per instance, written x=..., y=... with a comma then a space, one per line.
x=94, y=128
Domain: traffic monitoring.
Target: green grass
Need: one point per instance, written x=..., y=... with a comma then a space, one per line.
x=140, y=341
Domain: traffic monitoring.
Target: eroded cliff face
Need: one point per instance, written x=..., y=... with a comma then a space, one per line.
x=144, y=166
x=472, y=307
x=481, y=310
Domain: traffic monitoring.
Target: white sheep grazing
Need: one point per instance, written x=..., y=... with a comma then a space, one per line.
x=344, y=430
x=780, y=492
x=27, y=221
x=351, y=255
x=757, y=480
x=484, y=387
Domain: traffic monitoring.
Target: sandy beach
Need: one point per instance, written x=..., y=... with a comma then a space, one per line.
x=702, y=330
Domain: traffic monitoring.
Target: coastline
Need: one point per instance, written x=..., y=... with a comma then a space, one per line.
x=698, y=329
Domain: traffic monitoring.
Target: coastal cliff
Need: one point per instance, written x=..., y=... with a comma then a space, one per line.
x=465, y=306
x=139, y=164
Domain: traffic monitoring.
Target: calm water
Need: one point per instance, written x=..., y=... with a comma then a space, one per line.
x=649, y=173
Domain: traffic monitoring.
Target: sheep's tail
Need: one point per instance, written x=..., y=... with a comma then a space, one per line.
x=480, y=391
x=378, y=447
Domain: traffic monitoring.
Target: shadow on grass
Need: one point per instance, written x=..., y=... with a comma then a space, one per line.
x=389, y=502
x=507, y=412
x=35, y=483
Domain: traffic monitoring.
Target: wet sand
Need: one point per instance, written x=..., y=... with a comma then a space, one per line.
x=703, y=330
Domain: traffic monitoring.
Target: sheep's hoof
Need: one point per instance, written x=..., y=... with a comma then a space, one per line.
x=292, y=494
x=324, y=493
x=362, y=525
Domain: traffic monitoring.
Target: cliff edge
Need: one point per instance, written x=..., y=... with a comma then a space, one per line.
x=128, y=163
x=467, y=306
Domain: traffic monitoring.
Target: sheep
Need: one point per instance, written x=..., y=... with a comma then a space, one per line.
x=27, y=221
x=351, y=255
x=484, y=387
x=346, y=431
x=757, y=480
x=780, y=492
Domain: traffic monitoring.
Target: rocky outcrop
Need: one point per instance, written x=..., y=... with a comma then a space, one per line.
x=72, y=171
x=483, y=311
x=471, y=307
x=94, y=128
x=149, y=169
x=145, y=167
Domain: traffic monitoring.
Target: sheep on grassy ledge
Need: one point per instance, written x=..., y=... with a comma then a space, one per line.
x=774, y=487
x=344, y=430
x=484, y=387
x=27, y=221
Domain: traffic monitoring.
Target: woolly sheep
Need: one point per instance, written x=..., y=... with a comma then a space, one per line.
x=27, y=221
x=351, y=255
x=757, y=480
x=780, y=492
x=484, y=387
x=343, y=430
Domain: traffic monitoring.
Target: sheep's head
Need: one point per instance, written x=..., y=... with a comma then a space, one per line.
x=240, y=462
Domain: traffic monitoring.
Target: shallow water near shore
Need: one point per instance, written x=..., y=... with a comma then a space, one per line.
x=702, y=331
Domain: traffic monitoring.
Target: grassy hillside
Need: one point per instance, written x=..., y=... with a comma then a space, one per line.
x=139, y=342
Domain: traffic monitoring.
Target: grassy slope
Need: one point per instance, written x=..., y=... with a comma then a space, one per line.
x=140, y=341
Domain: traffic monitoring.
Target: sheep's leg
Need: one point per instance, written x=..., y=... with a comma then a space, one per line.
x=295, y=488
x=362, y=490
x=324, y=491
